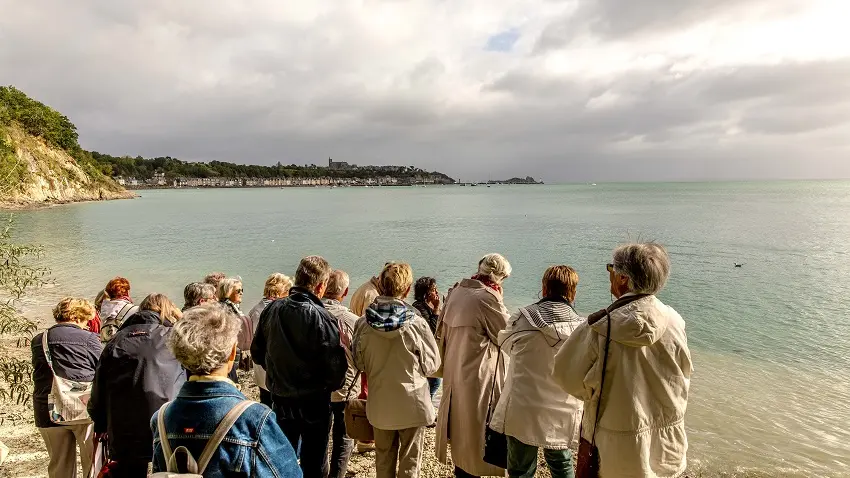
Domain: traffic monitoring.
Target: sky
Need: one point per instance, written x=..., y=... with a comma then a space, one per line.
x=578, y=90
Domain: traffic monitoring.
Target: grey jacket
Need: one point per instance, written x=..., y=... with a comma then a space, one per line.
x=347, y=320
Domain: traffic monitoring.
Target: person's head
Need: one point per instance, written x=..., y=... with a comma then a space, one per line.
x=74, y=310
x=560, y=282
x=215, y=278
x=117, y=288
x=163, y=306
x=495, y=267
x=230, y=289
x=425, y=289
x=204, y=341
x=313, y=274
x=396, y=280
x=197, y=293
x=337, y=285
x=640, y=268
x=277, y=286
x=98, y=300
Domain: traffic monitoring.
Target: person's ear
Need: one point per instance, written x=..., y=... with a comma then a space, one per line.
x=406, y=293
x=344, y=294
x=232, y=357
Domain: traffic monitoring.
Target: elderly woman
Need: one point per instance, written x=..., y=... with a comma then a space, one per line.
x=230, y=293
x=116, y=307
x=204, y=342
x=196, y=293
x=74, y=352
x=533, y=411
x=136, y=375
x=277, y=287
x=395, y=347
x=631, y=365
x=472, y=318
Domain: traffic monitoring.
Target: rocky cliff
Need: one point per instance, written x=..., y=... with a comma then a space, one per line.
x=33, y=172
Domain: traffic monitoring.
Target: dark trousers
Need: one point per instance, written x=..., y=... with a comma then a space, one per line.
x=459, y=473
x=266, y=398
x=308, y=420
x=128, y=469
x=434, y=386
x=341, y=445
x=522, y=460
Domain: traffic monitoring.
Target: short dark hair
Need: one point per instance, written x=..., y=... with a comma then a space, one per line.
x=422, y=286
x=312, y=271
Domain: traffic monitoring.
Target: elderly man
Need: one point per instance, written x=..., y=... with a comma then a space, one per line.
x=298, y=344
x=197, y=293
x=636, y=345
x=341, y=445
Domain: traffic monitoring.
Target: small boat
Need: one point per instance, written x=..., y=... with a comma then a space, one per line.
x=739, y=264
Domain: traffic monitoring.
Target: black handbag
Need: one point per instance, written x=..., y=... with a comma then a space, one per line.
x=495, y=443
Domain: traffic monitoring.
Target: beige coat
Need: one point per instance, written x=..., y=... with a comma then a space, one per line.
x=398, y=363
x=363, y=297
x=533, y=408
x=347, y=321
x=641, y=431
x=472, y=318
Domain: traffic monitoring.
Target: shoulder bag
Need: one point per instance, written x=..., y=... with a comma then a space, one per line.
x=357, y=424
x=68, y=399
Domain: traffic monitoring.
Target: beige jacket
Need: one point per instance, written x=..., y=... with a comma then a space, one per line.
x=472, y=318
x=641, y=431
x=347, y=321
x=363, y=297
x=533, y=408
x=397, y=360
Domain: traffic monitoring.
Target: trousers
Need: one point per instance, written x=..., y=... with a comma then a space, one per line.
x=62, y=443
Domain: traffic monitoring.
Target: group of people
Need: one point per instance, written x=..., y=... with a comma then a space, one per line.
x=544, y=378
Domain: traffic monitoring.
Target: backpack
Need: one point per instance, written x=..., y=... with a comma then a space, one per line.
x=181, y=463
x=110, y=327
x=68, y=399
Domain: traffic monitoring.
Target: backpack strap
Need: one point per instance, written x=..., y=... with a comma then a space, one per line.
x=124, y=312
x=220, y=432
x=163, y=435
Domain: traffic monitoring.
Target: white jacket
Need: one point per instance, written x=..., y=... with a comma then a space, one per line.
x=641, y=430
x=398, y=363
x=533, y=408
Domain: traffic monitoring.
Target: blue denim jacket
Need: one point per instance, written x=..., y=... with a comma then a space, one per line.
x=254, y=447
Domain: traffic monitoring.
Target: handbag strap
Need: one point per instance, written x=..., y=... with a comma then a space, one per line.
x=215, y=440
x=616, y=305
x=47, y=351
x=351, y=387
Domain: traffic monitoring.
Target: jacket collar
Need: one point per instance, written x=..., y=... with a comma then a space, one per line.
x=209, y=389
x=621, y=302
x=300, y=294
x=144, y=317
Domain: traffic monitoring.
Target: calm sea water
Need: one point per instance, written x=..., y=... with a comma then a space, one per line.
x=770, y=340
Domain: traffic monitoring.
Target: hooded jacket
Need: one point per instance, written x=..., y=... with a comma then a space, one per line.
x=395, y=348
x=298, y=344
x=533, y=408
x=136, y=375
x=641, y=431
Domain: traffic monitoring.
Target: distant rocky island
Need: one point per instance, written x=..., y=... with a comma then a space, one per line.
x=527, y=180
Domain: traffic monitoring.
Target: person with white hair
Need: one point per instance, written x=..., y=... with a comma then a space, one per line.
x=277, y=287
x=631, y=366
x=204, y=342
x=230, y=292
x=474, y=367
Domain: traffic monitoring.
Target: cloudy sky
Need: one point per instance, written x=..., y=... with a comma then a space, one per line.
x=573, y=90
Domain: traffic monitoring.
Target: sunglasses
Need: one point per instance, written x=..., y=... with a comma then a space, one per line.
x=610, y=267
x=239, y=291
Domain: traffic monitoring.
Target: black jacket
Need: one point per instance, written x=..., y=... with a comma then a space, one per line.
x=136, y=375
x=75, y=354
x=426, y=313
x=297, y=342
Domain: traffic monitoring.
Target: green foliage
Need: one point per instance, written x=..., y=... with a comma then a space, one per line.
x=37, y=119
x=17, y=374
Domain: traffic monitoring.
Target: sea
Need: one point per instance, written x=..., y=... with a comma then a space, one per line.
x=770, y=395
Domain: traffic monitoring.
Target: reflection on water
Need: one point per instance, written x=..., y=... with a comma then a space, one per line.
x=770, y=341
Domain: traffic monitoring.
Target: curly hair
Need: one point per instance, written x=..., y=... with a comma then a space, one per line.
x=203, y=340
x=73, y=309
x=117, y=287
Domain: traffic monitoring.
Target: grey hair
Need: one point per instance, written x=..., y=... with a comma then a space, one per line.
x=195, y=292
x=646, y=265
x=337, y=283
x=312, y=271
x=494, y=266
x=203, y=340
x=226, y=286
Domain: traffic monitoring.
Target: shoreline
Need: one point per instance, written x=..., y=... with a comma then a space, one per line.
x=12, y=206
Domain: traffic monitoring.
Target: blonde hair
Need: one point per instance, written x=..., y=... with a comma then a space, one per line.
x=73, y=309
x=560, y=281
x=494, y=266
x=277, y=285
x=396, y=279
x=163, y=306
x=226, y=286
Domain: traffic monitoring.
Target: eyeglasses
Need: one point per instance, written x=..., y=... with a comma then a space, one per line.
x=610, y=267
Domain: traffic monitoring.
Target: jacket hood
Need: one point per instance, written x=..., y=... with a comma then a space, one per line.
x=145, y=317
x=639, y=323
x=555, y=319
x=388, y=314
